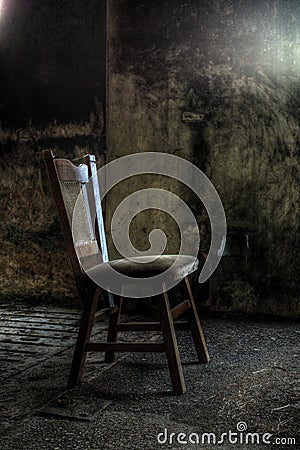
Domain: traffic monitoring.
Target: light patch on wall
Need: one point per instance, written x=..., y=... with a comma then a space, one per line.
x=1, y=8
x=297, y=53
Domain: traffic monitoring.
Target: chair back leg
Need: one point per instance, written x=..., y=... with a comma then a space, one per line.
x=112, y=332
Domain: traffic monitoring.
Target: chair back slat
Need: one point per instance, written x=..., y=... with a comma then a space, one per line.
x=90, y=160
x=67, y=182
x=67, y=171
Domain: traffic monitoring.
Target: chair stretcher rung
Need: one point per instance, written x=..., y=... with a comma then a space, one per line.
x=104, y=313
x=150, y=326
x=124, y=347
x=180, y=309
x=139, y=326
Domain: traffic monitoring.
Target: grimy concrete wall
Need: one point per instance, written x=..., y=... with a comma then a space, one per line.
x=237, y=64
x=52, y=60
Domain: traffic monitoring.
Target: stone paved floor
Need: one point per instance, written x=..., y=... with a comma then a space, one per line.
x=251, y=381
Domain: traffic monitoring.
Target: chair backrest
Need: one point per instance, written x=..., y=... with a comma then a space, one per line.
x=67, y=182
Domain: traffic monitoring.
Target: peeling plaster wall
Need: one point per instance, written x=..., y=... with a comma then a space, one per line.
x=237, y=63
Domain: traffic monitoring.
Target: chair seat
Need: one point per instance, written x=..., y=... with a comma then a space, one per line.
x=145, y=266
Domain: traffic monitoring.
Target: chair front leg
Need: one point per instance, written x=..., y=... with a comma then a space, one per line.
x=84, y=334
x=196, y=329
x=171, y=347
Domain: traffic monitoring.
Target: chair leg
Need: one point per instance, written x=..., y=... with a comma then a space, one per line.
x=196, y=328
x=112, y=332
x=83, y=337
x=171, y=347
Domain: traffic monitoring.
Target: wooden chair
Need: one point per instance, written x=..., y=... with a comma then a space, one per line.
x=66, y=180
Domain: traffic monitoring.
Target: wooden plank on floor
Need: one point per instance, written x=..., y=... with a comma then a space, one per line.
x=41, y=320
x=37, y=332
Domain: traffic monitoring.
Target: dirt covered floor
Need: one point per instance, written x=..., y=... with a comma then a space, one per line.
x=250, y=386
